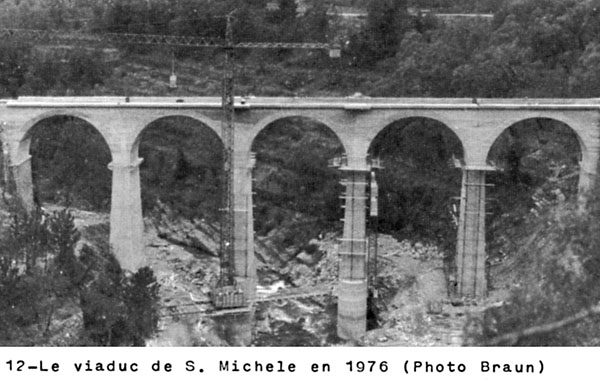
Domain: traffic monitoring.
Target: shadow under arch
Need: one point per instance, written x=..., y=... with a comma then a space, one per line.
x=419, y=180
x=74, y=156
x=537, y=162
x=533, y=151
x=548, y=139
x=188, y=120
x=182, y=167
x=297, y=192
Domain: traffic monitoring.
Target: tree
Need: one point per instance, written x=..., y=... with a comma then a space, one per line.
x=387, y=21
x=140, y=296
x=13, y=67
x=64, y=237
x=287, y=11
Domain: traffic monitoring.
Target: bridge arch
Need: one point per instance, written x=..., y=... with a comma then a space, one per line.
x=572, y=125
x=25, y=139
x=424, y=115
x=148, y=120
x=296, y=191
x=401, y=123
x=321, y=118
x=45, y=146
x=182, y=166
x=420, y=178
x=550, y=146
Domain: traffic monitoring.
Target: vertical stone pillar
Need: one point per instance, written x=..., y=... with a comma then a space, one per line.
x=126, y=221
x=470, y=247
x=21, y=170
x=352, y=290
x=587, y=173
x=244, y=264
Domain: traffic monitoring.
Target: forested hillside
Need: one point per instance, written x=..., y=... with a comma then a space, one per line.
x=531, y=48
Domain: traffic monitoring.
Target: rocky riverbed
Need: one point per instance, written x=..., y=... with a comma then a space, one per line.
x=412, y=302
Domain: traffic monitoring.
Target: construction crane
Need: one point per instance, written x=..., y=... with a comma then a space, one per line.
x=224, y=294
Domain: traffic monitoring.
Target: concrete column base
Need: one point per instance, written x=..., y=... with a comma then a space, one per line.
x=352, y=309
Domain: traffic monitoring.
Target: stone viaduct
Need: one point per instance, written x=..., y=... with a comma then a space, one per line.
x=356, y=122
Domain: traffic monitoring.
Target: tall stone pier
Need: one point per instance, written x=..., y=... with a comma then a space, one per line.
x=244, y=264
x=470, y=246
x=21, y=172
x=352, y=290
x=126, y=221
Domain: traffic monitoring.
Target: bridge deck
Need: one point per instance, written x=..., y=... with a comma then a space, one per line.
x=352, y=103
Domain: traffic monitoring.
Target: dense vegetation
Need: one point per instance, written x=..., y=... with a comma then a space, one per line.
x=42, y=281
x=531, y=48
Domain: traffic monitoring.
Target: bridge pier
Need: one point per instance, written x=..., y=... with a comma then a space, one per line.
x=21, y=172
x=126, y=221
x=352, y=290
x=587, y=173
x=244, y=264
x=470, y=246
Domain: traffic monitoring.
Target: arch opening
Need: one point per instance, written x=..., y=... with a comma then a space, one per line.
x=182, y=169
x=538, y=168
x=69, y=162
x=297, y=213
x=297, y=192
x=418, y=186
x=419, y=180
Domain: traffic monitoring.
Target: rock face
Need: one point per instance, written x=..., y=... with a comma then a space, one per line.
x=198, y=234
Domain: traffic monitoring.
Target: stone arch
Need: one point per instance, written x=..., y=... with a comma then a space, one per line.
x=292, y=164
x=571, y=124
x=25, y=165
x=150, y=120
x=389, y=122
x=24, y=143
x=420, y=178
x=506, y=153
x=332, y=125
x=412, y=115
x=182, y=164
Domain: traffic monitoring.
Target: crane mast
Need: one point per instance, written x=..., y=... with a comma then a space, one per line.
x=226, y=248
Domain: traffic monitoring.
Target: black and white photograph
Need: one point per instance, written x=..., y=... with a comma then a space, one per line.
x=300, y=173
